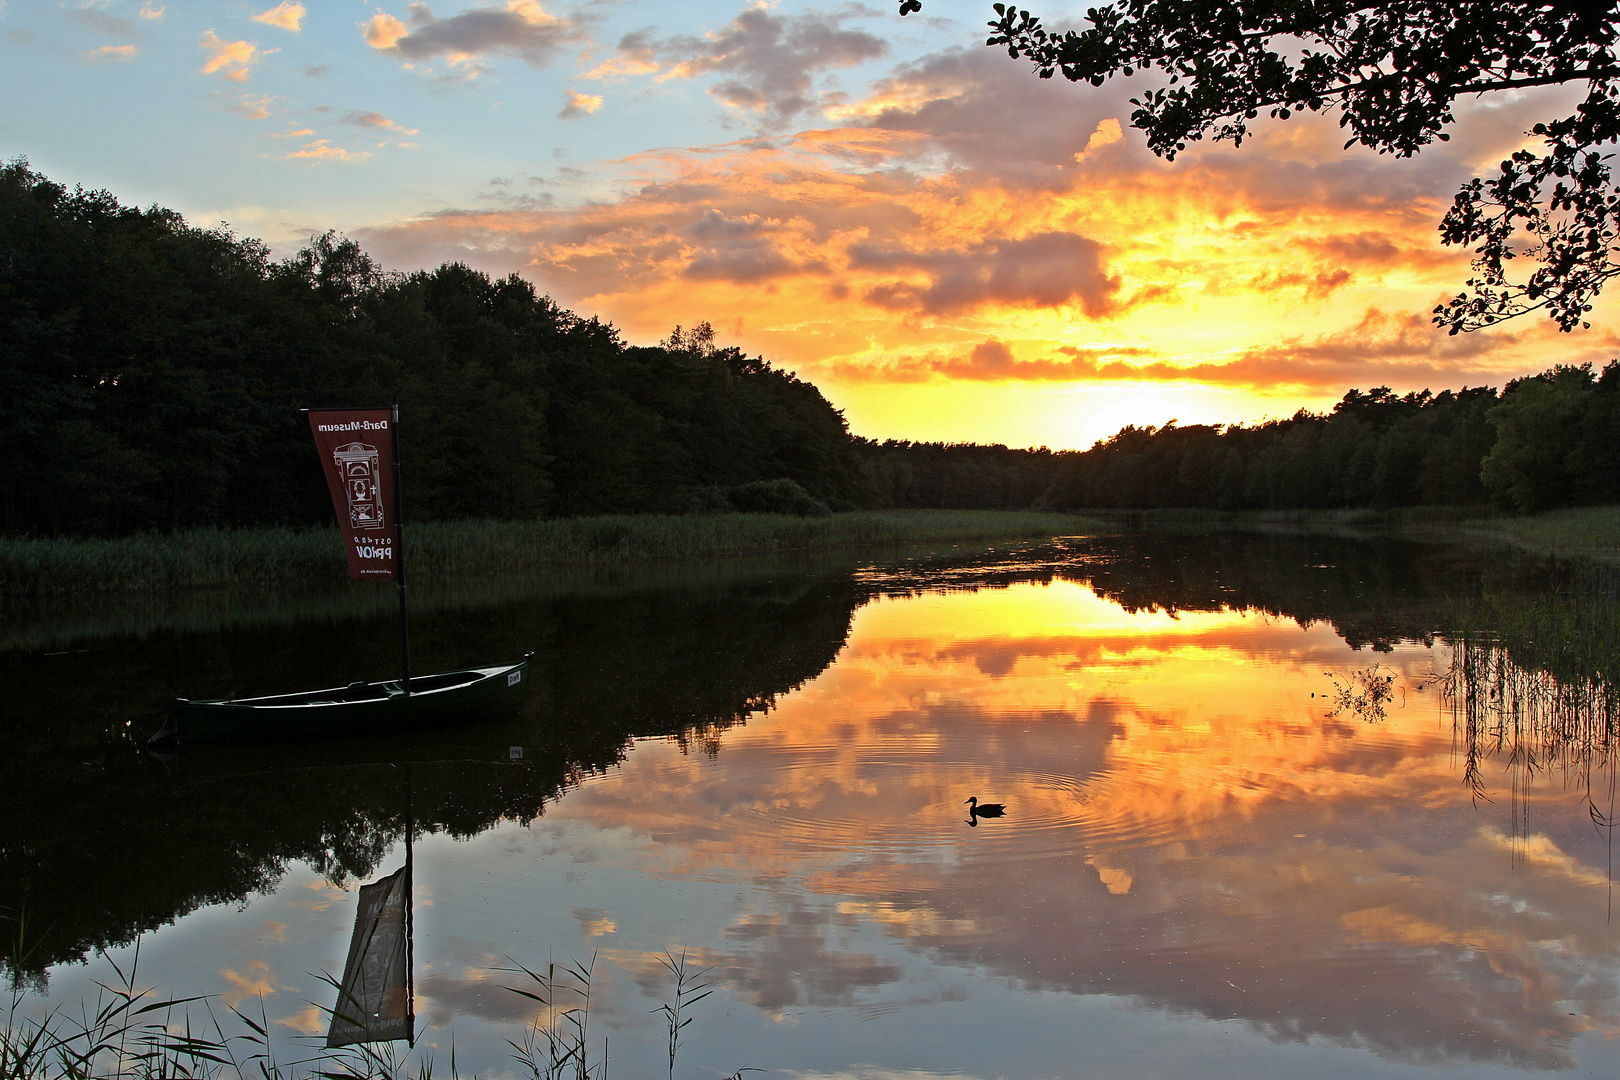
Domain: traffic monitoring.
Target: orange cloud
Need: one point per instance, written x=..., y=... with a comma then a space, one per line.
x=323, y=150
x=232, y=59
x=254, y=108
x=969, y=226
x=1382, y=349
x=383, y=31
x=376, y=120
x=522, y=28
x=580, y=105
x=112, y=52
x=287, y=15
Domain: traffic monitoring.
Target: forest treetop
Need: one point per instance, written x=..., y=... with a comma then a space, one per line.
x=151, y=376
x=1393, y=71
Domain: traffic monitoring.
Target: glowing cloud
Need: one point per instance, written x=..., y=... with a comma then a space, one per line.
x=384, y=31
x=1006, y=241
x=767, y=62
x=232, y=59
x=376, y=120
x=254, y=108
x=151, y=12
x=112, y=52
x=579, y=105
x=287, y=15
x=1049, y=269
x=522, y=28
x=323, y=150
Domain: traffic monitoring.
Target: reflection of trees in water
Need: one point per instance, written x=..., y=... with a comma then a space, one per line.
x=100, y=842
x=1538, y=722
x=109, y=843
x=1532, y=680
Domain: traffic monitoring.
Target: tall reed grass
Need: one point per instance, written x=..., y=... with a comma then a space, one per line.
x=1591, y=532
x=130, y=1033
x=277, y=558
x=1536, y=723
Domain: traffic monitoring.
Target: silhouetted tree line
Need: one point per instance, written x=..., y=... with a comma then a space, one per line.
x=151, y=374
x=1547, y=440
x=917, y=475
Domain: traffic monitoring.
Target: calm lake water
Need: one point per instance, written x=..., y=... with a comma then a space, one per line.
x=1267, y=813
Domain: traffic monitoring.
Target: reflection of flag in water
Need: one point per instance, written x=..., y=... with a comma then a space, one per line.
x=374, y=1004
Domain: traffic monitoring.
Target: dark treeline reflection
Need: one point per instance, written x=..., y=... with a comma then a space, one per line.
x=1532, y=681
x=101, y=842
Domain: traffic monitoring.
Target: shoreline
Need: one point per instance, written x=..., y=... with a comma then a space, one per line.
x=1590, y=533
x=279, y=558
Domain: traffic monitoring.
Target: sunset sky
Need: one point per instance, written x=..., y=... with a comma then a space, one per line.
x=949, y=247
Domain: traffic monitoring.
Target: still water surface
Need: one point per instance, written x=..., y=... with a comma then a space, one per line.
x=1224, y=853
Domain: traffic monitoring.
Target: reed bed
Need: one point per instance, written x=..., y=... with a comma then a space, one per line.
x=1536, y=722
x=130, y=1032
x=1534, y=680
x=278, y=558
x=1591, y=532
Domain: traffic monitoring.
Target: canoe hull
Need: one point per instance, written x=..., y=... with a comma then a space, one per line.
x=357, y=709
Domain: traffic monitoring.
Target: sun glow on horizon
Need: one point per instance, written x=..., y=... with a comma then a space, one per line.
x=950, y=247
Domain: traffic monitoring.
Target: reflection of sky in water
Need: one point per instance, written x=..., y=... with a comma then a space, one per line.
x=1199, y=870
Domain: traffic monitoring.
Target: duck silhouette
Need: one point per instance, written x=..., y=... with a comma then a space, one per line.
x=977, y=810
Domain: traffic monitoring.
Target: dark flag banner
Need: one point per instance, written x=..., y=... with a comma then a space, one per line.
x=374, y=1001
x=356, y=448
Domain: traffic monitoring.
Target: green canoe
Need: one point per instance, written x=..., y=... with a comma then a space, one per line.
x=357, y=709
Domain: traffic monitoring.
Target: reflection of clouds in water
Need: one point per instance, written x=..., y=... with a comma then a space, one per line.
x=472, y=991
x=1197, y=837
x=1354, y=946
x=469, y=980
x=308, y=1021
x=785, y=957
x=876, y=1072
x=326, y=894
x=255, y=982
x=594, y=922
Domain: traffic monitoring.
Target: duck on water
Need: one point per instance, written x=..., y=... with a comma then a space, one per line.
x=977, y=810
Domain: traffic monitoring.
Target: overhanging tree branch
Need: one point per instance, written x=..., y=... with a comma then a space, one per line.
x=1393, y=70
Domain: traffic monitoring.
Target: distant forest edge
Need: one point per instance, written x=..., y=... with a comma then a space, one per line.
x=151, y=374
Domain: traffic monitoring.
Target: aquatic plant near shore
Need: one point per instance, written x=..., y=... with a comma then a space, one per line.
x=554, y=1044
x=1365, y=693
x=690, y=988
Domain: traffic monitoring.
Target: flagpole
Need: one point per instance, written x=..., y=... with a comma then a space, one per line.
x=399, y=563
x=410, y=924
